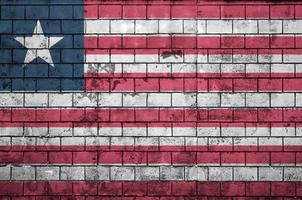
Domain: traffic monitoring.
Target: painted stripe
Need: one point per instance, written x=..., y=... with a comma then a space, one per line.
x=193, y=84
x=152, y=190
x=179, y=52
x=191, y=2
x=183, y=26
x=189, y=74
x=189, y=69
x=152, y=173
x=180, y=158
x=194, y=41
x=205, y=142
x=150, y=124
x=212, y=10
x=168, y=56
x=15, y=128
x=151, y=100
x=249, y=115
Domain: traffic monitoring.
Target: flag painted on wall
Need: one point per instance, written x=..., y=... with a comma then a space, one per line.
x=157, y=99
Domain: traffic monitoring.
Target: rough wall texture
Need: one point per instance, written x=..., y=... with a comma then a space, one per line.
x=155, y=100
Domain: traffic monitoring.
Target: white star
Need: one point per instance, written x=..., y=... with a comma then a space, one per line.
x=38, y=45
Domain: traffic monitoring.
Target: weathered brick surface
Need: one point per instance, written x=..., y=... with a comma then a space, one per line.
x=151, y=100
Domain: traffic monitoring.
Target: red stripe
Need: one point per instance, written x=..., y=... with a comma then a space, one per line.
x=252, y=115
x=190, y=74
x=200, y=42
x=148, y=155
x=179, y=52
x=206, y=10
x=152, y=190
x=193, y=84
x=15, y=154
x=150, y=124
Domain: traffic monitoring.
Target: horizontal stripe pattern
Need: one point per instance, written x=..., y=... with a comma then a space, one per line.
x=180, y=101
x=273, y=99
x=183, y=26
x=205, y=10
x=154, y=190
x=153, y=142
x=192, y=84
x=194, y=41
x=193, y=56
x=211, y=156
x=252, y=115
x=143, y=173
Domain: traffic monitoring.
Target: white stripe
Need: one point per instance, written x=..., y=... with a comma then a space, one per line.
x=150, y=173
x=192, y=58
x=204, y=138
x=151, y=100
x=163, y=26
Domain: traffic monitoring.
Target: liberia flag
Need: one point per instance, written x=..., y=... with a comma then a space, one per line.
x=150, y=99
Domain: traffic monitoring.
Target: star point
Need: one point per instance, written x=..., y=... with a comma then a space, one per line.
x=38, y=45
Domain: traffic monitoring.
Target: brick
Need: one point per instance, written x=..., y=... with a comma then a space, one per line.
x=11, y=188
x=158, y=11
x=12, y=12
x=184, y=157
x=270, y=174
x=245, y=174
x=110, y=157
x=47, y=173
x=159, y=157
x=184, y=188
x=167, y=26
x=72, y=173
x=35, y=157
x=233, y=189
x=282, y=11
x=283, y=189
x=171, y=173
x=60, y=188
x=159, y=188
x=23, y=173
x=255, y=158
x=85, y=157
x=110, y=11
x=208, y=188
x=147, y=173
x=208, y=158
x=292, y=173
x=283, y=100
x=257, y=42
x=135, y=157
x=5, y=172
x=258, y=189
x=122, y=26
x=184, y=11
x=232, y=42
x=122, y=173
x=232, y=12
x=134, y=12
x=35, y=188
x=109, y=188
x=215, y=26
x=258, y=12
x=270, y=26
x=134, y=188
x=86, y=188
x=36, y=12
x=220, y=174
x=212, y=12
x=150, y=26
x=60, y=157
